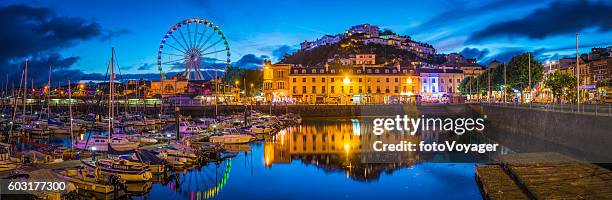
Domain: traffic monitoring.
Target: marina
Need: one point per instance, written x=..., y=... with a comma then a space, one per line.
x=322, y=151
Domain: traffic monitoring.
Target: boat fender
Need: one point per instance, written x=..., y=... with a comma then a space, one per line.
x=97, y=173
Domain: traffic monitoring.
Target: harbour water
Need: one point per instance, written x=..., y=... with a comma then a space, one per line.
x=321, y=158
x=299, y=163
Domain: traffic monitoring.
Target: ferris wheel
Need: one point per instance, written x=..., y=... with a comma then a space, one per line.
x=194, y=45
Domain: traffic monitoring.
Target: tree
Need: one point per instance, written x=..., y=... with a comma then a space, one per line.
x=561, y=84
x=518, y=72
x=387, y=32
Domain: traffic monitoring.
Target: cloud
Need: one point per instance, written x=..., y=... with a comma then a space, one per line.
x=474, y=53
x=561, y=17
x=145, y=66
x=504, y=56
x=250, y=61
x=108, y=35
x=38, y=68
x=541, y=55
x=283, y=50
x=37, y=34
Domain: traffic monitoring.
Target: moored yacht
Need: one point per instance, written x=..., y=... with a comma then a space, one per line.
x=125, y=170
x=231, y=136
x=100, y=143
x=7, y=162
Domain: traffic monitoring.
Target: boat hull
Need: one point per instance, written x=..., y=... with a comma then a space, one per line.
x=231, y=139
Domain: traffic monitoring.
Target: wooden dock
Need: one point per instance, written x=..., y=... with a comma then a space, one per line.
x=545, y=176
x=496, y=184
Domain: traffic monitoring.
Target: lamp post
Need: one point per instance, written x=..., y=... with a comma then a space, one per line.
x=577, y=77
x=505, y=92
x=251, y=91
x=237, y=83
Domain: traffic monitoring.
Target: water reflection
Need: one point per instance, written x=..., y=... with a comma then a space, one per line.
x=328, y=158
x=346, y=146
x=336, y=147
x=331, y=158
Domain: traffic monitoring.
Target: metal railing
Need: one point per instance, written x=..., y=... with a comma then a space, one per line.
x=587, y=109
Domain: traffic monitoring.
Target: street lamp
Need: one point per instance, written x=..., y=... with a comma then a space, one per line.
x=346, y=81
x=251, y=91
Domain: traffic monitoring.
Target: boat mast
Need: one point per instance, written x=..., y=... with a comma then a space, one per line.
x=216, y=94
x=25, y=90
x=137, y=96
x=49, y=94
x=70, y=110
x=110, y=95
x=32, y=105
x=14, y=104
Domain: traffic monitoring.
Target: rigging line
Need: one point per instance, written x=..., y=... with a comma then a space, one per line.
x=177, y=41
x=118, y=67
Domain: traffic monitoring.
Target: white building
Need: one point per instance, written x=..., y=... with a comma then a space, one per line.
x=366, y=29
x=439, y=84
x=325, y=40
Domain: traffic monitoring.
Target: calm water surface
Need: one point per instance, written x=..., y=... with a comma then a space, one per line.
x=299, y=163
x=325, y=158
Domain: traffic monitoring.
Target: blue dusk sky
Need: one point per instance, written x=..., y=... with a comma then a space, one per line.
x=75, y=36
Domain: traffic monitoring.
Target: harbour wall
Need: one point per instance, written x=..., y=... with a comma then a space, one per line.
x=446, y=110
x=585, y=136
